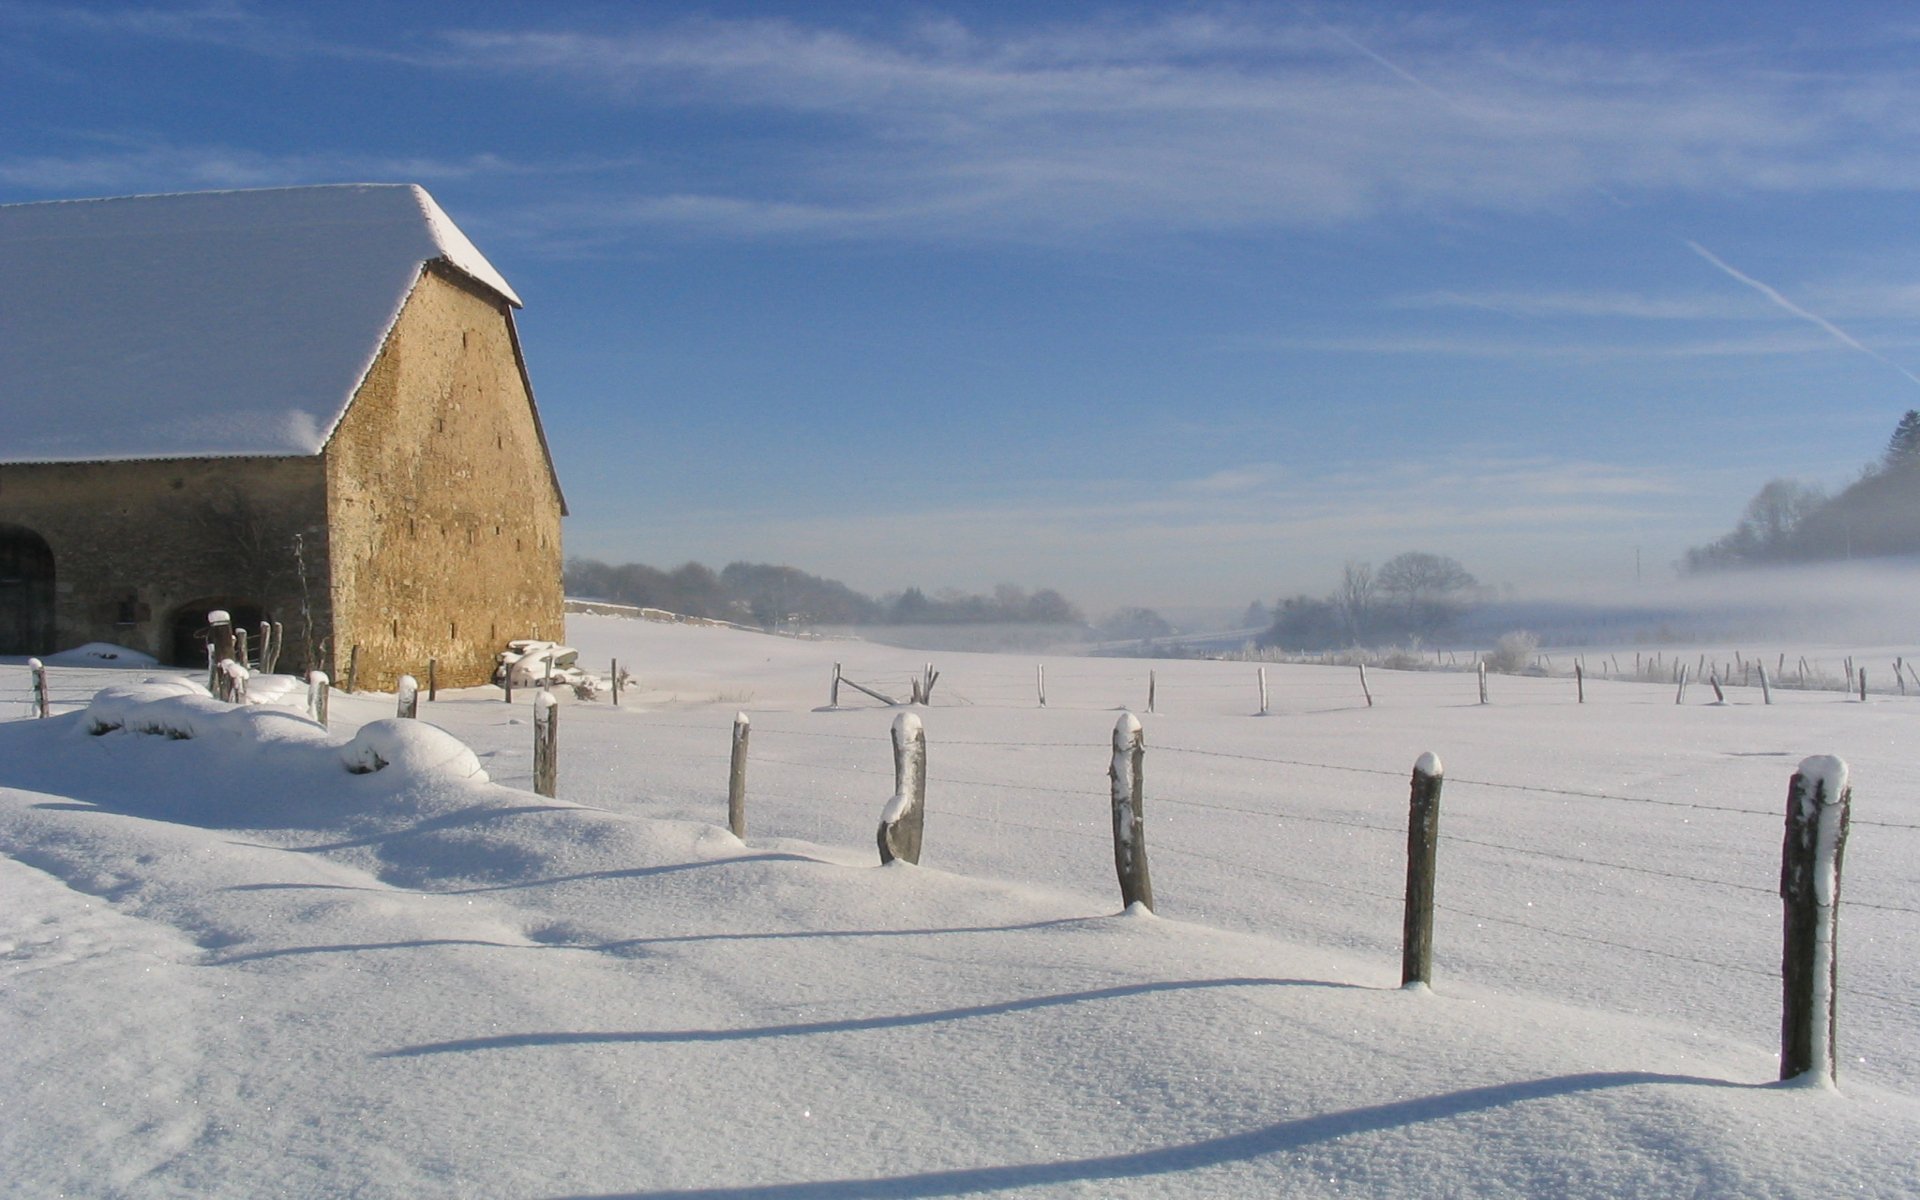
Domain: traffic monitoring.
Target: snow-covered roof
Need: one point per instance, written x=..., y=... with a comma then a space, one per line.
x=209, y=324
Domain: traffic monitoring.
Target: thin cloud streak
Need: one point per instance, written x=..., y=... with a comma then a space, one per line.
x=1773, y=296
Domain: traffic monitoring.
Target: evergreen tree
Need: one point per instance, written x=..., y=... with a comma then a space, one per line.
x=1903, y=448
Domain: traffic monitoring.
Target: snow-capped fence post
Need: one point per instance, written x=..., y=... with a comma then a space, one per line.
x=267, y=648
x=1580, y=683
x=1423, y=843
x=1264, y=697
x=317, y=685
x=1766, y=689
x=737, y=779
x=1482, y=669
x=233, y=682
x=41, y=702
x=433, y=679
x=406, y=694
x=904, y=819
x=1364, y=689
x=1129, y=822
x=1818, y=801
x=546, y=745
x=241, y=651
x=353, y=666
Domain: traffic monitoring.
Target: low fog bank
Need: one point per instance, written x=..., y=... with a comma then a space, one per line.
x=1858, y=602
x=989, y=637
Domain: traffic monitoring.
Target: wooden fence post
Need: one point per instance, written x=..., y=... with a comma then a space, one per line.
x=240, y=649
x=613, y=673
x=317, y=684
x=1423, y=842
x=433, y=679
x=1766, y=689
x=506, y=680
x=1129, y=818
x=1040, y=682
x=1818, y=800
x=1862, y=676
x=1719, y=697
x=1364, y=689
x=904, y=819
x=546, y=744
x=1263, y=692
x=833, y=696
x=1152, y=687
x=406, y=694
x=1681, y=692
x=737, y=780
x=353, y=666
x=42, y=703
x=1483, y=680
x=1580, y=683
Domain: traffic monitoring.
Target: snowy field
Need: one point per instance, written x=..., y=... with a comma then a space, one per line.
x=228, y=967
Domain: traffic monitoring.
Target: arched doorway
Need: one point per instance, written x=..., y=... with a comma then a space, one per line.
x=187, y=631
x=26, y=592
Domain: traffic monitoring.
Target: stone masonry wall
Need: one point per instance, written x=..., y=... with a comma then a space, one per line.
x=445, y=522
x=135, y=543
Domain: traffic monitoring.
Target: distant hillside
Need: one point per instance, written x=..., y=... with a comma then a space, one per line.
x=1878, y=516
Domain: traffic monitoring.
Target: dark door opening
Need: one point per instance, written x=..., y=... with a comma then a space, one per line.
x=26, y=592
x=187, y=632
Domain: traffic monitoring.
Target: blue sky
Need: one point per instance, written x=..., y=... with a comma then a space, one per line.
x=1167, y=304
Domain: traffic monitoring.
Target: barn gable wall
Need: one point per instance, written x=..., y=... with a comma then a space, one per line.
x=134, y=542
x=444, y=518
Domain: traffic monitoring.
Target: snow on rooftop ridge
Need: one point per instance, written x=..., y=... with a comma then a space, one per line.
x=207, y=324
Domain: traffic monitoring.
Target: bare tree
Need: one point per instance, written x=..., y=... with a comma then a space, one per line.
x=1354, y=599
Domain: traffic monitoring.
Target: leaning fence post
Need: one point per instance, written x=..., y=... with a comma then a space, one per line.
x=1129, y=822
x=1818, y=800
x=1423, y=841
x=406, y=694
x=1680, y=693
x=41, y=702
x=546, y=744
x=737, y=780
x=317, y=682
x=904, y=819
x=1364, y=689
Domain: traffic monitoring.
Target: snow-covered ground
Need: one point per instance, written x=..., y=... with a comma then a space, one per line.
x=230, y=967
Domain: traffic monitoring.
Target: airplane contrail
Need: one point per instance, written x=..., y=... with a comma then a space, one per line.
x=1838, y=334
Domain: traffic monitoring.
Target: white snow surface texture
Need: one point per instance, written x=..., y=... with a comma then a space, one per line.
x=206, y=324
x=230, y=966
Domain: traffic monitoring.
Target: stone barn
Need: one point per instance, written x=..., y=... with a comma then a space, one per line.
x=302, y=405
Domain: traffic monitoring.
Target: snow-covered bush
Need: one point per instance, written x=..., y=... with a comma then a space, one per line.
x=1513, y=653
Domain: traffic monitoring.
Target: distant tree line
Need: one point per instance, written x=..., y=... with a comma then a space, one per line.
x=774, y=596
x=1413, y=595
x=1788, y=521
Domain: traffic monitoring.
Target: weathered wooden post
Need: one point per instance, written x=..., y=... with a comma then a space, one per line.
x=1364, y=689
x=1580, y=683
x=904, y=819
x=506, y=681
x=613, y=673
x=406, y=695
x=240, y=648
x=353, y=666
x=1680, y=693
x=1898, y=677
x=42, y=703
x=546, y=744
x=1040, y=682
x=1264, y=697
x=833, y=695
x=233, y=682
x=1423, y=843
x=1818, y=800
x=213, y=668
x=1129, y=818
x=433, y=679
x=317, y=685
x=1766, y=689
x=1719, y=697
x=737, y=780
x=1152, y=687
x=1862, y=676
x=1482, y=668
x=268, y=651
